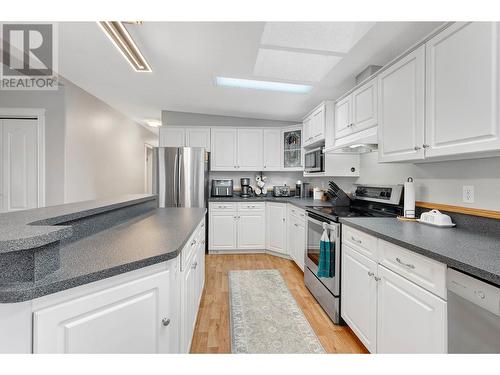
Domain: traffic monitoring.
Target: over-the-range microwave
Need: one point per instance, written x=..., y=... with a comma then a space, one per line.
x=314, y=161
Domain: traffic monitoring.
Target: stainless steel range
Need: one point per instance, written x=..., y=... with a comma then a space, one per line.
x=369, y=201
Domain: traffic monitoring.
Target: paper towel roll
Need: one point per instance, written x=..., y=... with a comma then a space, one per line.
x=409, y=202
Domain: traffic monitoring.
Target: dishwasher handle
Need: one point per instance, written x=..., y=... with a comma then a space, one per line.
x=474, y=290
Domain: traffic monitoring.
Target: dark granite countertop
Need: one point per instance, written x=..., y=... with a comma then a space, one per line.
x=27, y=229
x=473, y=252
x=156, y=236
x=298, y=202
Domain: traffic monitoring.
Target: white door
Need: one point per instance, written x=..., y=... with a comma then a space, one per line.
x=276, y=227
x=172, y=137
x=462, y=89
x=251, y=230
x=364, y=106
x=359, y=296
x=18, y=164
x=343, y=122
x=224, y=149
x=122, y=319
x=401, y=100
x=272, y=150
x=409, y=319
x=198, y=137
x=250, y=149
x=223, y=230
x=318, y=124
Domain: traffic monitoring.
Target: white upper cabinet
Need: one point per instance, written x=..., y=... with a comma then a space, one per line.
x=357, y=111
x=224, y=155
x=364, y=106
x=401, y=112
x=198, y=137
x=314, y=125
x=250, y=150
x=272, y=150
x=462, y=90
x=343, y=121
x=172, y=136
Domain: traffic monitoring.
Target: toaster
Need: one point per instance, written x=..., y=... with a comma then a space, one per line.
x=281, y=191
x=222, y=188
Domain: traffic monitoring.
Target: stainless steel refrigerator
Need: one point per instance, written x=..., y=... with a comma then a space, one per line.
x=180, y=177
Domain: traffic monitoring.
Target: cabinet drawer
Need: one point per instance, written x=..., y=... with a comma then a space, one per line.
x=253, y=206
x=297, y=212
x=423, y=271
x=200, y=232
x=189, y=249
x=360, y=241
x=223, y=206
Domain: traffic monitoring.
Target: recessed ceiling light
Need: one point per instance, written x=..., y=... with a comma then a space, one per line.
x=153, y=123
x=119, y=36
x=263, y=85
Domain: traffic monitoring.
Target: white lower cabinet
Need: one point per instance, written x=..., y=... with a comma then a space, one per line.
x=223, y=230
x=391, y=312
x=296, y=238
x=276, y=227
x=359, y=296
x=252, y=229
x=410, y=319
x=126, y=318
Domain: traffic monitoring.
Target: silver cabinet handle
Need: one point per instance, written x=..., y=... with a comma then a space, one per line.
x=426, y=146
x=480, y=294
x=235, y=217
x=416, y=148
x=355, y=240
x=165, y=322
x=377, y=278
x=194, y=265
x=296, y=225
x=193, y=242
x=203, y=242
x=283, y=219
x=411, y=266
x=371, y=274
x=202, y=225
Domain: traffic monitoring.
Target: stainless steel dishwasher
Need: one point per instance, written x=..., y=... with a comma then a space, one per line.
x=473, y=315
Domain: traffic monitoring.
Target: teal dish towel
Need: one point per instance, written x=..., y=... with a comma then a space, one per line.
x=326, y=256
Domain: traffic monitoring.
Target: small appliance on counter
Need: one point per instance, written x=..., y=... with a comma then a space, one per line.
x=436, y=218
x=246, y=189
x=298, y=189
x=281, y=191
x=222, y=188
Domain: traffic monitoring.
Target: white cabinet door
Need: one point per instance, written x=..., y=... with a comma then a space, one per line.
x=223, y=231
x=410, y=319
x=300, y=243
x=252, y=230
x=18, y=165
x=123, y=319
x=276, y=227
x=272, y=150
x=198, y=137
x=172, y=136
x=189, y=305
x=359, y=296
x=401, y=96
x=364, y=106
x=224, y=149
x=250, y=150
x=343, y=121
x=318, y=124
x=307, y=131
x=462, y=89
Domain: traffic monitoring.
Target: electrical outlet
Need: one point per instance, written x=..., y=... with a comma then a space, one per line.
x=468, y=194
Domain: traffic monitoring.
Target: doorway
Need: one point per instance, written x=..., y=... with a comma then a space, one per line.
x=148, y=176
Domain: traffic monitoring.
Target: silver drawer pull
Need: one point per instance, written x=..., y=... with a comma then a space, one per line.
x=371, y=274
x=377, y=278
x=203, y=242
x=355, y=240
x=165, y=322
x=202, y=225
x=194, y=265
x=480, y=294
x=193, y=242
x=411, y=266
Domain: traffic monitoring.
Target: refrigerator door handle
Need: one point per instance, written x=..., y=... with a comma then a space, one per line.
x=177, y=174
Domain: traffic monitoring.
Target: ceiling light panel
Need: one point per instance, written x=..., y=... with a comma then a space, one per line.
x=296, y=66
x=262, y=85
x=336, y=37
x=120, y=37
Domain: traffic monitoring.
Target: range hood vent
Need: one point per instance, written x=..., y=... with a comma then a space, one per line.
x=360, y=143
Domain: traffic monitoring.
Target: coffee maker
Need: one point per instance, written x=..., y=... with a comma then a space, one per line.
x=246, y=189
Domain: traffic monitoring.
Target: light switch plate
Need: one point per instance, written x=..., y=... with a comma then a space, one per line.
x=468, y=194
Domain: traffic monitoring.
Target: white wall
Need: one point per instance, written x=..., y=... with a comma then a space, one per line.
x=440, y=182
x=105, y=153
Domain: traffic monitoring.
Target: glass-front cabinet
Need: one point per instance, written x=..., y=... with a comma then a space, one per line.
x=292, y=148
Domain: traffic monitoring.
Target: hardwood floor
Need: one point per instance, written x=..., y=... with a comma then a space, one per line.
x=211, y=334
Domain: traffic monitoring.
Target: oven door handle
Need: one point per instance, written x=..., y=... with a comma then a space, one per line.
x=324, y=223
